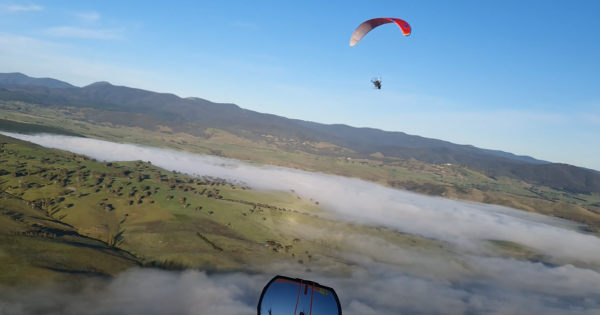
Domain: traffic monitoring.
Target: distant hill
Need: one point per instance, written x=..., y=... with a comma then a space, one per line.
x=566, y=177
x=146, y=109
x=591, y=170
x=368, y=138
x=163, y=106
x=21, y=79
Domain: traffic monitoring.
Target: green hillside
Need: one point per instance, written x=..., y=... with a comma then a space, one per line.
x=445, y=180
x=65, y=217
x=59, y=206
x=37, y=249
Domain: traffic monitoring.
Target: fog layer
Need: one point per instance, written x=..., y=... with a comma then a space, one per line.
x=354, y=199
x=390, y=279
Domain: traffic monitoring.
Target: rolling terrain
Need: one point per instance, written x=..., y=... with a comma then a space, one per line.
x=124, y=106
x=21, y=79
x=66, y=217
x=446, y=180
x=36, y=247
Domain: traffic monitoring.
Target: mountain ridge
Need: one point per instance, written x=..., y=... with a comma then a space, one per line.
x=193, y=115
x=22, y=79
x=188, y=111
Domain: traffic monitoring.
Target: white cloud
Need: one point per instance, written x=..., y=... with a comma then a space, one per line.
x=77, y=32
x=462, y=223
x=89, y=16
x=386, y=279
x=143, y=292
x=500, y=287
x=41, y=58
x=22, y=8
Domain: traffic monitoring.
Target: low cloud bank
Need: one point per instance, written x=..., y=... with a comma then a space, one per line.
x=378, y=289
x=455, y=221
x=389, y=279
x=142, y=292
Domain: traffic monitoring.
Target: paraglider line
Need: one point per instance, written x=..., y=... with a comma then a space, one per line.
x=298, y=299
x=312, y=295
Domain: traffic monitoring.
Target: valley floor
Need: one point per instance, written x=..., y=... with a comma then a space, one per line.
x=448, y=181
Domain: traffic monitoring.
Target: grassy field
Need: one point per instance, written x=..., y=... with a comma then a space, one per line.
x=36, y=249
x=64, y=217
x=112, y=216
x=450, y=181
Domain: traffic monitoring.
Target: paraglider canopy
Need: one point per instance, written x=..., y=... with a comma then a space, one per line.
x=369, y=25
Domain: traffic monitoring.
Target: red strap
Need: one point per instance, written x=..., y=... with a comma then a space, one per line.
x=312, y=287
x=298, y=299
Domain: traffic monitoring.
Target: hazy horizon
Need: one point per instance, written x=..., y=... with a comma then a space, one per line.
x=341, y=123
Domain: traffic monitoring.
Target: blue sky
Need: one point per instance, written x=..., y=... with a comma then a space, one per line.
x=519, y=76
